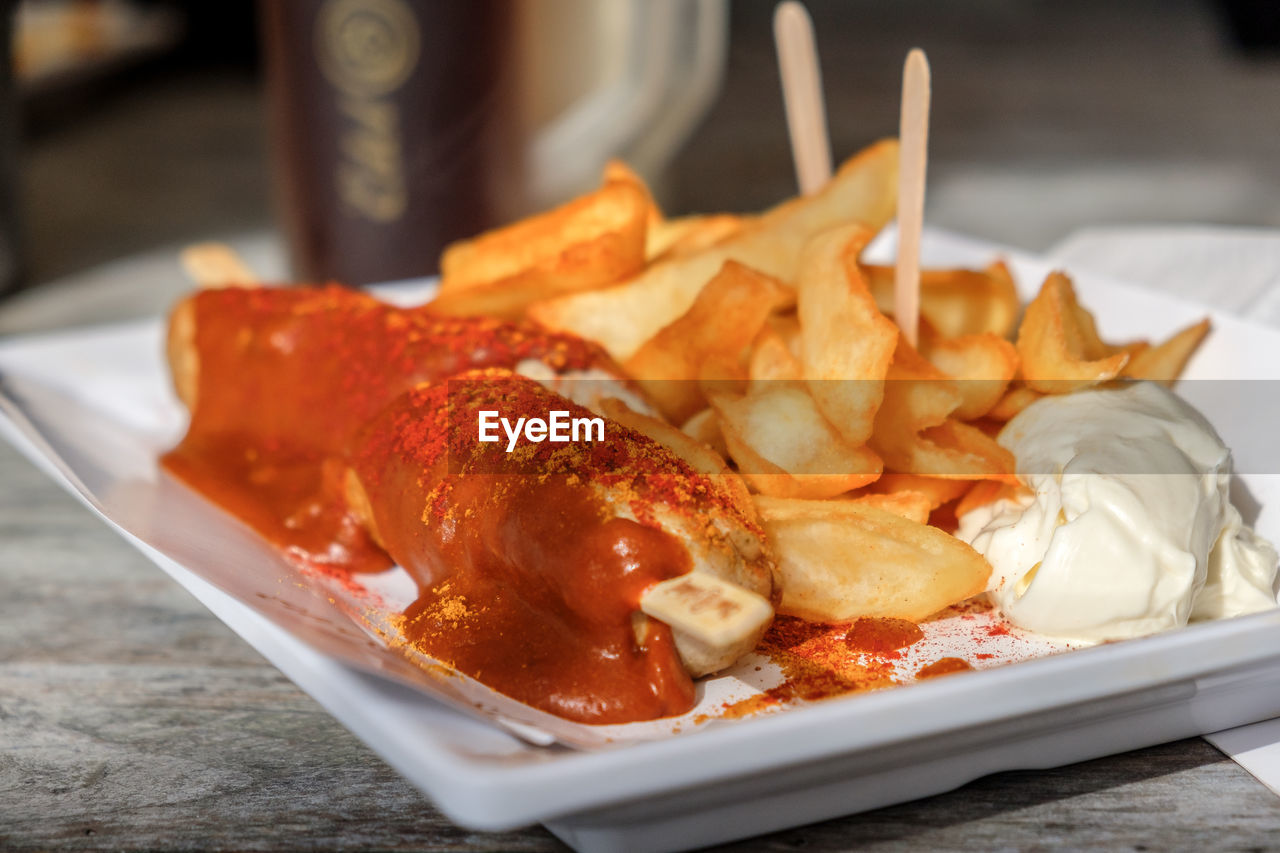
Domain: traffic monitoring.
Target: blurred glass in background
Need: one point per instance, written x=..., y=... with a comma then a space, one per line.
x=400, y=126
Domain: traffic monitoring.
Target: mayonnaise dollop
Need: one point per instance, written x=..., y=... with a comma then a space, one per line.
x=1129, y=529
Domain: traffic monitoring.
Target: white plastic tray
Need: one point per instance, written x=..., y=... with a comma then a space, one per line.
x=728, y=780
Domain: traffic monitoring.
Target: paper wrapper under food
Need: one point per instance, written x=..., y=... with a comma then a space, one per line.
x=97, y=409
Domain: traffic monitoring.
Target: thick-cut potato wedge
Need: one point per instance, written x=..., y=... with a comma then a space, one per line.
x=988, y=492
x=1014, y=401
x=937, y=490
x=957, y=449
x=956, y=301
x=788, y=328
x=624, y=317
x=1085, y=336
x=687, y=235
x=784, y=446
x=212, y=265
x=705, y=427
x=846, y=344
x=1056, y=339
x=771, y=359
x=707, y=341
x=915, y=432
x=913, y=506
x=982, y=365
x=594, y=241
x=619, y=171
x=840, y=560
x=1165, y=362
x=917, y=395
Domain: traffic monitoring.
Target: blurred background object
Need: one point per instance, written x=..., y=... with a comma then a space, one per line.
x=393, y=130
x=400, y=126
x=9, y=236
x=1047, y=116
x=61, y=42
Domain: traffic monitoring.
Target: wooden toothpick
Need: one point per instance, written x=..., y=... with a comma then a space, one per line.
x=914, y=139
x=802, y=95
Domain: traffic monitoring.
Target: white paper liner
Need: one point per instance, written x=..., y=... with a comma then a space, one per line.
x=97, y=403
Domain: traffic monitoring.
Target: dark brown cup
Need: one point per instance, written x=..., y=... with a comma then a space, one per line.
x=393, y=130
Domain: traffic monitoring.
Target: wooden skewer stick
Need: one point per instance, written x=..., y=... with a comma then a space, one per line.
x=802, y=95
x=212, y=265
x=914, y=139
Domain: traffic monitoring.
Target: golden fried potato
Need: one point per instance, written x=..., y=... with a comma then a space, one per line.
x=771, y=359
x=843, y=559
x=912, y=506
x=915, y=432
x=705, y=427
x=707, y=341
x=956, y=301
x=1014, y=401
x=591, y=242
x=622, y=318
x=688, y=235
x=785, y=447
x=1165, y=362
x=846, y=344
x=982, y=364
x=936, y=490
x=1058, y=342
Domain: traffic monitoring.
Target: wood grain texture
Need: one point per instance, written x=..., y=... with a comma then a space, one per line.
x=131, y=718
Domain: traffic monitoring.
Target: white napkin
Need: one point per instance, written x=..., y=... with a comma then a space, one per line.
x=1234, y=269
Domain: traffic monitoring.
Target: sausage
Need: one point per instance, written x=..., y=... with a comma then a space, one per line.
x=277, y=356
x=325, y=392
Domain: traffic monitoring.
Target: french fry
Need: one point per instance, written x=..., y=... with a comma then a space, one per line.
x=591, y=242
x=688, y=235
x=846, y=344
x=986, y=492
x=622, y=318
x=788, y=328
x=957, y=449
x=771, y=359
x=937, y=490
x=705, y=427
x=618, y=171
x=1014, y=401
x=917, y=395
x=713, y=333
x=915, y=432
x=216, y=265
x=983, y=365
x=913, y=506
x=956, y=301
x=785, y=447
x=1084, y=334
x=1058, y=344
x=1165, y=362
x=842, y=559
